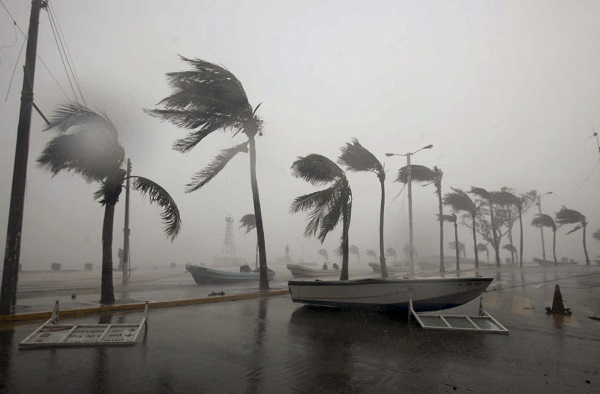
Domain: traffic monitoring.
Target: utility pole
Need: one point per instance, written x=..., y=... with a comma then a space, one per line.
x=126, y=270
x=10, y=274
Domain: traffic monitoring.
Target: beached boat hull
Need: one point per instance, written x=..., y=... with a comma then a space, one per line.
x=429, y=294
x=299, y=271
x=204, y=275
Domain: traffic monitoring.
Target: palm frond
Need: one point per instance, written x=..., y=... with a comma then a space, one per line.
x=390, y=252
x=309, y=201
x=91, y=155
x=316, y=169
x=111, y=187
x=543, y=220
x=332, y=217
x=480, y=192
x=74, y=114
x=510, y=248
x=569, y=216
x=481, y=247
x=459, y=200
x=358, y=158
x=204, y=176
x=418, y=173
x=371, y=253
x=323, y=252
x=579, y=226
x=447, y=218
x=354, y=249
x=248, y=221
x=157, y=194
x=506, y=198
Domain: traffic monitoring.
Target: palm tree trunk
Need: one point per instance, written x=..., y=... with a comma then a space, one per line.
x=587, y=258
x=260, y=231
x=475, y=243
x=345, y=241
x=107, y=293
x=488, y=255
x=496, y=246
x=520, y=238
x=456, y=243
x=384, y=272
x=441, y=209
x=554, y=246
x=510, y=239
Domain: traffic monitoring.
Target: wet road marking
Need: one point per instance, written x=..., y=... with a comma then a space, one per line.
x=522, y=305
x=492, y=301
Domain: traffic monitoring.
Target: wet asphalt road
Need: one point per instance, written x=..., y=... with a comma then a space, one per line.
x=270, y=345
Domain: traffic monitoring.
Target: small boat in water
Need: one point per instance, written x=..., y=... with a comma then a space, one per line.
x=427, y=294
x=203, y=275
x=391, y=269
x=300, y=271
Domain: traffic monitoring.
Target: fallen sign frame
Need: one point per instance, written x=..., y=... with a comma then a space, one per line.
x=484, y=322
x=53, y=334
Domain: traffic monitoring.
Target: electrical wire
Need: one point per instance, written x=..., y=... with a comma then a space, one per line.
x=584, y=181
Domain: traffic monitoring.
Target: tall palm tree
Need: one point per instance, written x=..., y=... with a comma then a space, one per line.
x=454, y=220
x=461, y=247
x=423, y=174
x=511, y=249
x=208, y=98
x=323, y=252
x=328, y=206
x=392, y=253
x=249, y=221
x=489, y=197
x=354, y=250
x=87, y=144
x=570, y=216
x=507, y=199
x=372, y=253
x=460, y=201
x=483, y=248
x=357, y=158
x=543, y=220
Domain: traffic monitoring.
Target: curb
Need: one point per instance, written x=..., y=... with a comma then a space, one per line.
x=140, y=306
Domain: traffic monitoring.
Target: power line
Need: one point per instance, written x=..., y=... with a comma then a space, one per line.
x=584, y=181
x=58, y=46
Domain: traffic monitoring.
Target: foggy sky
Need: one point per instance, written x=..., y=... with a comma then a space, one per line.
x=508, y=93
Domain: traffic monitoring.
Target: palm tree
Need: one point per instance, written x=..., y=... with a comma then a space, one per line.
x=461, y=247
x=88, y=144
x=460, y=201
x=323, y=252
x=489, y=197
x=453, y=219
x=328, y=206
x=392, y=253
x=357, y=158
x=483, y=248
x=372, y=253
x=422, y=174
x=249, y=221
x=570, y=216
x=354, y=250
x=511, y=249
x=521, y=203
x=206, y=99
x=543, y=220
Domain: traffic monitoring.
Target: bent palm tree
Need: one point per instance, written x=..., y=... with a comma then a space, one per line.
x=511, y=249
x=459, y=201
x=508, y=200
x=88, y=145
x=543, y=220
x=371, y=252
x=483, y=248
x=392, y=253
x=206, y=99
x=570, y=216
x=489, y=197
x=454, y=220
x=359, y=159
x=323, y=252
x=249, y=221
x=354, y=250
x=422, y=174
x=328, y=206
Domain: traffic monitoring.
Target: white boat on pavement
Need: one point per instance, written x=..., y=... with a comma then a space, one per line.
x=203, y=275
x=300, y=271
x=427, y=294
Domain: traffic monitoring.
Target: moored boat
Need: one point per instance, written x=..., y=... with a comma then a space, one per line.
x=299, y=271
x=203, y=275
x=427, y=294
x=548, y=263
x=391, y=269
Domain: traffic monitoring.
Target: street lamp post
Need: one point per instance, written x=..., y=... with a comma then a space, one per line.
x=539, y=204
x=410, y=218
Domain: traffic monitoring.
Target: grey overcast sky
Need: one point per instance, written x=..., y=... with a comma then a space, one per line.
x=507, y=91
